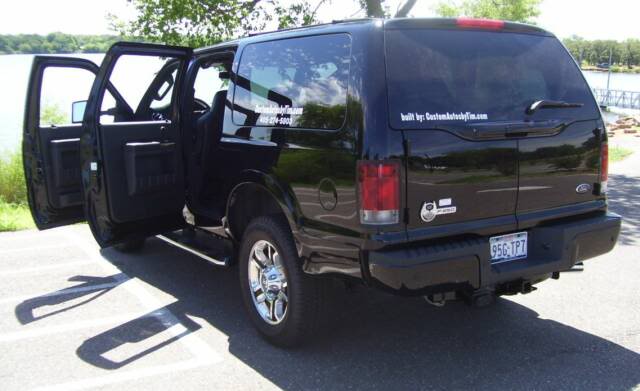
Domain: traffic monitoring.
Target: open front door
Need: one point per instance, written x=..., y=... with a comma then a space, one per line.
x=132, y=168
x=58, y=87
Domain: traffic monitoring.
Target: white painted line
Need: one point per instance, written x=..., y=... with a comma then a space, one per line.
x=123, y=352
x=64, y=291
x=76, y=325
x=119, y=377
x=36, y=247
x=192, y=342
x=45, y=268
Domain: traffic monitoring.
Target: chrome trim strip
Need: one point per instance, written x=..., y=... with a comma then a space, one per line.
x=65, y=140
x=152, y=122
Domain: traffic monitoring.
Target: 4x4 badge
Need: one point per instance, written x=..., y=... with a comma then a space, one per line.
x=430, y=210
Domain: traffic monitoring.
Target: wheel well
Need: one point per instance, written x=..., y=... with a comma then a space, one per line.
x=248, y=202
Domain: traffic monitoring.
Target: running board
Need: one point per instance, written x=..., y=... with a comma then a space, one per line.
x=211, y=248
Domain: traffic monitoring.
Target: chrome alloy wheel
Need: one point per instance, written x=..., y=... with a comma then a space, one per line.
x=268, y=282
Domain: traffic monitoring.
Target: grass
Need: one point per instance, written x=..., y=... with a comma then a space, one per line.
x=14, y=211
x=14, y=217
x=617, y=154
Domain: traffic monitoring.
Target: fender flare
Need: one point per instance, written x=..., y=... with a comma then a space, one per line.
x=281, y=194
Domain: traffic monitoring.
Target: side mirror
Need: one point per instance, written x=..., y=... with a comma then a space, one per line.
x=77, y=111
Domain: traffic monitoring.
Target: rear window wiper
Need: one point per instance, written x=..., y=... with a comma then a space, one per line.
x=550, y=104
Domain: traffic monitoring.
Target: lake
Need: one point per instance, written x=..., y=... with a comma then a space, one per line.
x=14, y=75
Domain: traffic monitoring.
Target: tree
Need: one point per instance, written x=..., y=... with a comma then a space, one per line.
x=631, y=52
x=198, y=23
x=55, y=43
x=577, y=46
x=597, y=51
x=514, y=10
x=52, y=114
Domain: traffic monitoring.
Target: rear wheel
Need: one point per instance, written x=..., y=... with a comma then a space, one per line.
x=283, y=303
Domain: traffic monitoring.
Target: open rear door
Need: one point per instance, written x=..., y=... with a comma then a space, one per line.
x=132, y=168
x=51, y=137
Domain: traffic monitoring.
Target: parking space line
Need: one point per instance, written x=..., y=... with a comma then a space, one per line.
x=193, y=343
x=63, y=292
x=77, y=325
x=119, y=377
x=45, y=268
x=40, y=247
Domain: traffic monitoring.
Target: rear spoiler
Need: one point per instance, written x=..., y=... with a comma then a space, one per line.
x=464, y=24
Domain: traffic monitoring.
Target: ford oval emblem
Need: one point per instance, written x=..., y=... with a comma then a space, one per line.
x=583, y=188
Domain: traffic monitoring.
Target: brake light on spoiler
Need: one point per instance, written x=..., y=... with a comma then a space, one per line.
x=487, y=24
x=379, y=192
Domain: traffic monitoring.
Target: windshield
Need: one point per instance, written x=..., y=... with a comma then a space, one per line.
x=440, y=77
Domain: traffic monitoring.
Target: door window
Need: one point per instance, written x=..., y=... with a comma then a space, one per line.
x=58, y=94
x=147, y=85
x=298, y=82
x=62, y=102
x=208, y=83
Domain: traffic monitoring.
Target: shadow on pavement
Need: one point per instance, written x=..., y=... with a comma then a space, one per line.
x=376, y=340
x=95, y=349
x=624, y=199
x=90, y=289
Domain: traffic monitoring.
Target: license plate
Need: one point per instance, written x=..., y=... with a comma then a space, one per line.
x=508, y=247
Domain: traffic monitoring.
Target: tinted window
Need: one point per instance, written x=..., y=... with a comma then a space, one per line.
x=445, y=76
x=300, y=82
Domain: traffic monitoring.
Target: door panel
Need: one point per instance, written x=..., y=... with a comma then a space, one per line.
x=132, y=170
x=51, y=150
x=61, y=147
x=142, y=172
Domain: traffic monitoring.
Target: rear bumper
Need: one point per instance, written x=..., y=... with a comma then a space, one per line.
x=452, y=264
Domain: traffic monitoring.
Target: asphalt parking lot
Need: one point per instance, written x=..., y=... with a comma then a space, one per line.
x=76, y=317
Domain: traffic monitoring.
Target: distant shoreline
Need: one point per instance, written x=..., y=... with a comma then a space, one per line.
x=617, y=69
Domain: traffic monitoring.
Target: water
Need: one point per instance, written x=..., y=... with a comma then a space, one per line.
x=619, y=81
x=14, y=75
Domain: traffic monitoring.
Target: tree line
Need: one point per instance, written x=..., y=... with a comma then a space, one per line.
x=623, y=53
x=55, y=43
x=587, y=52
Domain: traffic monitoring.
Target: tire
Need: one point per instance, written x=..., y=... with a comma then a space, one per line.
x=131, y=246
x=303, y=311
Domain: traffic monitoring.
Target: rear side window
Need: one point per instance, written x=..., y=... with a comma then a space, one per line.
x=454, y=77
x=298, y=82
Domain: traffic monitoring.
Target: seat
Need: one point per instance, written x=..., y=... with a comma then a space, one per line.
x=209, y=129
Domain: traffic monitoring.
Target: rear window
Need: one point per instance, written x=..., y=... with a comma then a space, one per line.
x=455, y=77
x=298, y=82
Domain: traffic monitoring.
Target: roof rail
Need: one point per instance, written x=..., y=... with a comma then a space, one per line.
x=337, y=21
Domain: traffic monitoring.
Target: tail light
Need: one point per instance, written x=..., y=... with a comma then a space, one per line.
x=604, y=167
x=487, y=24
x=379, y=191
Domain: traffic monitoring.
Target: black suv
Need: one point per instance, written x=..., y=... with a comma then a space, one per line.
x=449, y=158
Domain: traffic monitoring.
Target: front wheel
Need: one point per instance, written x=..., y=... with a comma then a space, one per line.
x=283, y=303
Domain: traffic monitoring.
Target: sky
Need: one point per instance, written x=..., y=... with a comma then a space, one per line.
x=591, y=19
